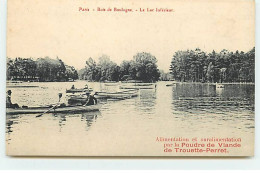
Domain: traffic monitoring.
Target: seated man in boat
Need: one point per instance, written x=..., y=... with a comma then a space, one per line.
x=9, y=102
x=91, y=100
x=86, y=86
x=72, y=87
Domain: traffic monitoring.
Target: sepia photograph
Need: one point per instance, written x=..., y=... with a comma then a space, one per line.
x=130, y=78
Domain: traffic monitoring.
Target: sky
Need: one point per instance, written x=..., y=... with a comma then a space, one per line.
x=56, y=28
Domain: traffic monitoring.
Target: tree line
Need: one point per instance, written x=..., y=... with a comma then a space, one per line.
x=42, y=69
x=142, y=67
x=186, y=66
x=225, y=66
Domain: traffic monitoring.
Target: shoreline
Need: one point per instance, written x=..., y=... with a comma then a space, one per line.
x=224, y=83
x=123, y=82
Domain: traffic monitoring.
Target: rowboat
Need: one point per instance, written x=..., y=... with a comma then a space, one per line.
x=21, y=86
x=111, y=84
x=65, y=109
x=105, y=95
x=143, y=84
x=116, y=95
x=173, y=84
x=137, y=87
x=78, y=90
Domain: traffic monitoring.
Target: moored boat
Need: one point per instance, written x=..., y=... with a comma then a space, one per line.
x=137, y=87
x=104, y=95
x=64, y=109
x=172, y=84
x=111, y=84
x=143, y=84
x=78, y=90
x=116, y=95
x=21, y=86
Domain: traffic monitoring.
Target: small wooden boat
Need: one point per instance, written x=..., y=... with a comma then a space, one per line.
x=21, y=86
x=117, y=95
x=137, y=87
x=65, y=109
x=104, y=95
x=111, y=84
x=143, y=84
x=172, y=84
x=106, y=81
x=78, y=90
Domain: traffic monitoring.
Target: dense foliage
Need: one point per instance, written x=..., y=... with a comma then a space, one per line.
x=42, y=69
x=186, y=66
x=198, y=66
x=165, y=76
x=143, y=67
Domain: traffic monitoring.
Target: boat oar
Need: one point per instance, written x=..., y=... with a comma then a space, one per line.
x=47, y=110
x=60, y=95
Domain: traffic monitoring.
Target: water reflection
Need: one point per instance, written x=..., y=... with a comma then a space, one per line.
x=62, y=120
x=183, y=109
x=147, y=101
x=194, y=90
x=205, y=106
x=90, y=118
x=207, y=97
x=9, y=124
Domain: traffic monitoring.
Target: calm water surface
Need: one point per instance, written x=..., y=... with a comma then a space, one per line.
x=131, y=125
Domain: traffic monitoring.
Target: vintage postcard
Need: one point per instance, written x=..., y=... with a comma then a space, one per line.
x=130, y=78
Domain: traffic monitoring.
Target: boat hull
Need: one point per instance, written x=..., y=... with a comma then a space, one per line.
x=38, y=110
x=171, y=84
x=137, y=87
x=78, y=90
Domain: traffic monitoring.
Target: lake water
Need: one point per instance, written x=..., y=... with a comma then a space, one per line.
x=130, y=127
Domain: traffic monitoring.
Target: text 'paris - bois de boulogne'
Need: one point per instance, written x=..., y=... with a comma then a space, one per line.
x=126, y=10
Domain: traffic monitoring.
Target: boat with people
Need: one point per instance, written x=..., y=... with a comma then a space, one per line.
x=123, y=94
x=75, y=90
x=78, y=90
x=51, y=109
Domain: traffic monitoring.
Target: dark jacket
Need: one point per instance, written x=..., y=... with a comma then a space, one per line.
x=91, y=100
x=8, y=101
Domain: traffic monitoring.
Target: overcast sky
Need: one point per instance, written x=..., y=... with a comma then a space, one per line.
x=39, y=28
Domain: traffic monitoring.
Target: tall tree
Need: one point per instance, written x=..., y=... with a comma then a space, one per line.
x=144, y=67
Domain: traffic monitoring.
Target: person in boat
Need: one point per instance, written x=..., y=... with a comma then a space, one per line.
x=72, y=87
x=86, y=86
x=9, y=103
x=91, y=100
